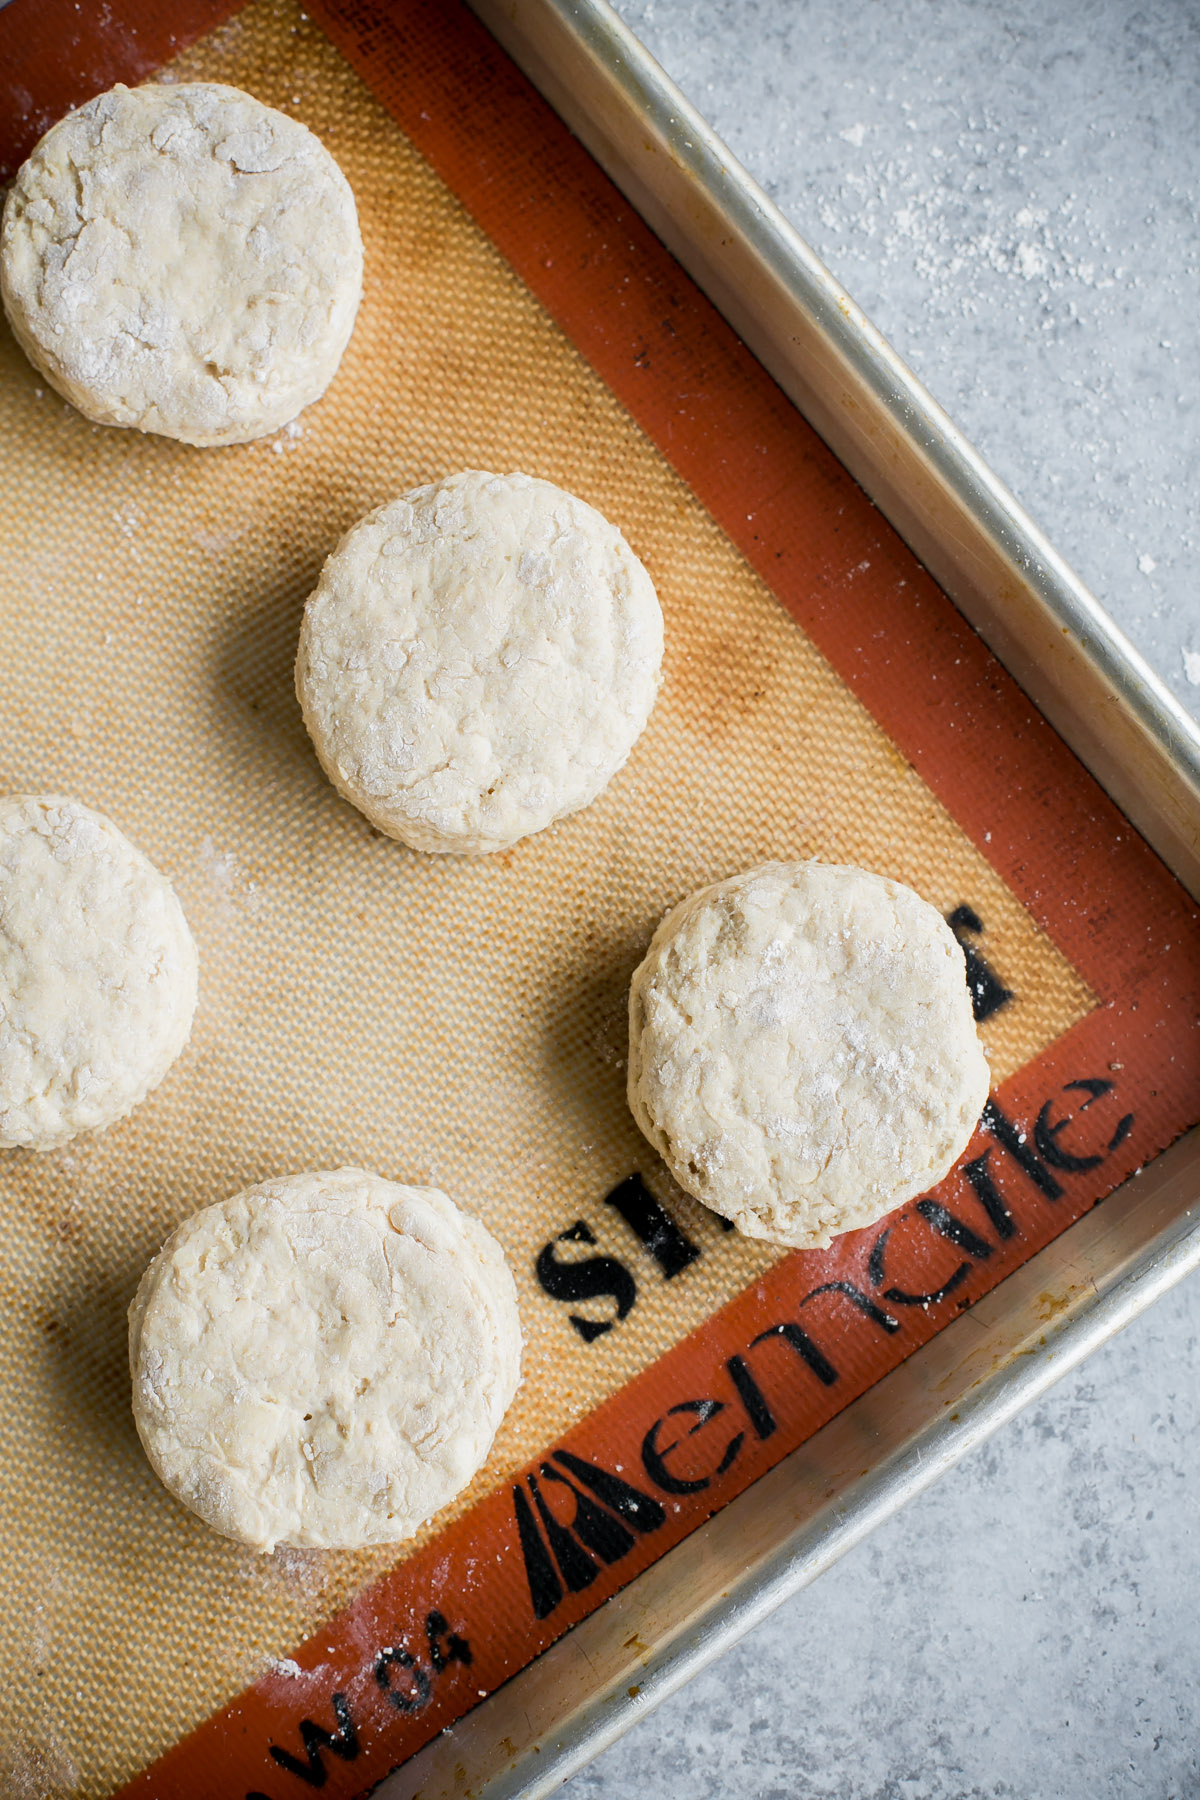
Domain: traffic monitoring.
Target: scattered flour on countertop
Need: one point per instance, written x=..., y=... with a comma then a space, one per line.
x=1018, y=217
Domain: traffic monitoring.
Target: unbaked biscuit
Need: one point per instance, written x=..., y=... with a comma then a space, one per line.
x=182, y=259
x=478, y=660
x=802, y=1049
x=97, y=972
x=323, y=1360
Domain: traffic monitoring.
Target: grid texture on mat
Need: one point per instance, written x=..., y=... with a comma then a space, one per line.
x=442, y=1021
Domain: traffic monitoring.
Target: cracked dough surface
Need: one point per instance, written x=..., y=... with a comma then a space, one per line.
x=97, y=972
x=323, y=1360
x=802, y=1050
x=182, y=259
x=478, y=660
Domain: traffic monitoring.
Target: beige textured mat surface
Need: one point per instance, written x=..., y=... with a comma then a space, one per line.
x=441, y=1021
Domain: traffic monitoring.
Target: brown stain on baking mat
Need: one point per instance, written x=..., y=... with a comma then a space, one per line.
x=464, y=1022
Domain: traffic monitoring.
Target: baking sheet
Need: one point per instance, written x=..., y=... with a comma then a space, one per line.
x=464, y=1022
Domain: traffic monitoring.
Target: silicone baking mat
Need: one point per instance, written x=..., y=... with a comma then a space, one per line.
x=463, y=1022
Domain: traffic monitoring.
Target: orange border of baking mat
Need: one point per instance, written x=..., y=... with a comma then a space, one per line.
x=419, y=1647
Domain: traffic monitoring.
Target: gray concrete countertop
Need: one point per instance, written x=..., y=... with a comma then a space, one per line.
x=1012, y=193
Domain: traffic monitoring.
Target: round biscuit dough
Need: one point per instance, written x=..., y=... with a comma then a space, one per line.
x=802, y=1049
x=97, y=972
x=323, y=1361
x=182, y=259
x=478, y=660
